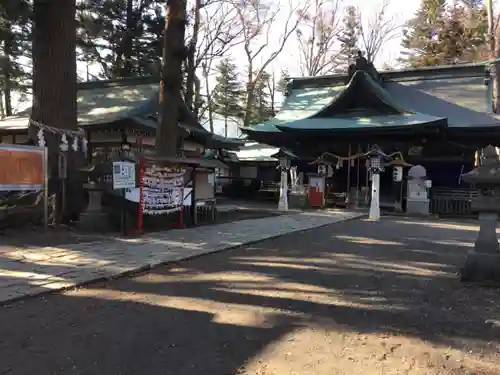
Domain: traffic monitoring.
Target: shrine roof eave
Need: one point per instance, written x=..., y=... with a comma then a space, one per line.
x=277, y=138
x=219, y=141
x=365, y=125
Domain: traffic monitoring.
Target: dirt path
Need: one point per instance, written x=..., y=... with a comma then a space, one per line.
x=352, y=298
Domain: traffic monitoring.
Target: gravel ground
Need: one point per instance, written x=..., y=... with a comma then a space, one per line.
x=353, y=298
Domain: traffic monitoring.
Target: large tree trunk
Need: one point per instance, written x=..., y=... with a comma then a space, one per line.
x=54, y=63
x=494, y=49
x=209, y=99
x=54, y=88
x=7, y=70
x=2, y=110
x=131, y=24
x=191, y=63
x=174, y=53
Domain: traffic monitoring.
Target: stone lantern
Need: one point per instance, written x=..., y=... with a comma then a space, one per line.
x=483, y=262
x=376, y=158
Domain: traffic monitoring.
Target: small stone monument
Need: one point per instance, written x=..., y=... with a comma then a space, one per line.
x=483, y=262
x=417, y=201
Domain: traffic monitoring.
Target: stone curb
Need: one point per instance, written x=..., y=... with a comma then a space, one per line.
x=150, y=266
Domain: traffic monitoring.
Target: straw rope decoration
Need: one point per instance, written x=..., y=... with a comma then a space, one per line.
x=398, y=154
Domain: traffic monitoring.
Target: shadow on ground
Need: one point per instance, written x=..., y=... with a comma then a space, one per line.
x=217, y=314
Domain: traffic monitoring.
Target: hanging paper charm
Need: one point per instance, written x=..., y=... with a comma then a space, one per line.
x=41, y=138
x=64, y=143
x=74, y=146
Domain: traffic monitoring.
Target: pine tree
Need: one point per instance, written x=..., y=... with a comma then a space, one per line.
x=447, y=36
x=261, y=109
x=227, y=93
x=132, y=31
x=15, y=43
x=421, y=34
x=282, y=84
x=349, y=39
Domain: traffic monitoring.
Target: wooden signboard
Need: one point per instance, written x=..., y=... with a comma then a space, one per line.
x=22, y=168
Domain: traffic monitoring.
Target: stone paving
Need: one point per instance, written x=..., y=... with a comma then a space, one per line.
x=31, y=271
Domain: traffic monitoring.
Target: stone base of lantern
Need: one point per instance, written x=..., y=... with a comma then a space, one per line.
x=417, y=207
x=94, y=218
x=481, y=268
x=483, y=263
x=297, y=201
x=94, y=222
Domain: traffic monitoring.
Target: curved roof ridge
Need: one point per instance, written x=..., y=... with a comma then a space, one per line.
x=361, y=77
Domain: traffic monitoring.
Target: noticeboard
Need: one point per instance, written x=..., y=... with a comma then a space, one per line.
x=123, y=175
x=22, y=168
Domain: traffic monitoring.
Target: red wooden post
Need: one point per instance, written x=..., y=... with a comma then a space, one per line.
x=141, y=198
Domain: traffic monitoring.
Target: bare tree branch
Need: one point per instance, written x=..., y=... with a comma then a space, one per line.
x=317, y=37
x=219, y=31
x=214, y=32
x=259, y=20
x=377, y=31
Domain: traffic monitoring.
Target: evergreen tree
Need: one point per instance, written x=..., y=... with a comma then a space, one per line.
x=450, y=36
x=349, y=39
x=421, y=34
x=261, y=109
x=123, y=37
x=15, y=37
x=281, y=85
x=227, y=93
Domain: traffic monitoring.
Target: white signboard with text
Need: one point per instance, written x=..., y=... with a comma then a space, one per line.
x=123, y=175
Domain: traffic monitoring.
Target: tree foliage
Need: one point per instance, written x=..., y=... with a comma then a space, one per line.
x=261, y=109
x=122, y=37
x=349, y=38
x=318, y=37
x=15, y=52
x=376, y=30
x=228, y=92
x=440, y=35
x=259, y=20
x=282, y=84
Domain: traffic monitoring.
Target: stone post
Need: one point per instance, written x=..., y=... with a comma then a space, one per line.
x=283, y=200
x=375, y=201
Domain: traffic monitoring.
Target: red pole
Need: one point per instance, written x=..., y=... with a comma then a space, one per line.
x=141, y=198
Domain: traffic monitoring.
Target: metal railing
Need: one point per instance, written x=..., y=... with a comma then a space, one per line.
x=450, y=201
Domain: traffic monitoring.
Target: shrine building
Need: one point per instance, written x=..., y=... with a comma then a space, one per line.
x=435, y=117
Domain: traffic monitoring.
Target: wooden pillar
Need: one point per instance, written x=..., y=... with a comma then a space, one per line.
x=358, y=161
x=194, y=211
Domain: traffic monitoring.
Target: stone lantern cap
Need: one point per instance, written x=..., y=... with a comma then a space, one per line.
x=488, y=174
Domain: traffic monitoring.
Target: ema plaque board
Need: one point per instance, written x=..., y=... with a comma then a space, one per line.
x=21, y=168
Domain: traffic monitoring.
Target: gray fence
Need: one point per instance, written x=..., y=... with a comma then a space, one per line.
x=453, y=202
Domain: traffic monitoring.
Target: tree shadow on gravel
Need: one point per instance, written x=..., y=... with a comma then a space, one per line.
x=213, y=314
x=94, y=335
